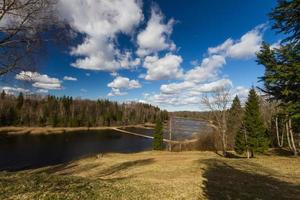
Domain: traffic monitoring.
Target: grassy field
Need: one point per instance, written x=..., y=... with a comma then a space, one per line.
x=158, y=175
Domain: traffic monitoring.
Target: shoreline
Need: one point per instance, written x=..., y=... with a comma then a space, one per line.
x=15, y=130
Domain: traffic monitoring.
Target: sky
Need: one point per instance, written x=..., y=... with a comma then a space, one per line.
x=167, y=53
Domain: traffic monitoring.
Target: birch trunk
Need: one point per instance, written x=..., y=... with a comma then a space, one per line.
x=292, y=138
x=288, y=135
x=277, y=134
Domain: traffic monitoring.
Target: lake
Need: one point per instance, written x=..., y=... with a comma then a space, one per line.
x=18, y=152
x=182, y=129
x=27, y=151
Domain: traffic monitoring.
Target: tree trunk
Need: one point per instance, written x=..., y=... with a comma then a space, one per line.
x=292, y=138
x=288, y=135
x=277, y=134
x=248, y=153
x=224, y=143
x=170, y=134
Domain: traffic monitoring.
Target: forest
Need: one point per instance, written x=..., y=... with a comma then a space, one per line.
x=34, y=110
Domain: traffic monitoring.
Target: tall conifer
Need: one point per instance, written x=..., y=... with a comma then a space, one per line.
x=252, y=136
x=158, y=136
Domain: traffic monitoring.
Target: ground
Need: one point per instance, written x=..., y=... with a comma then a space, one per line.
x=159, y=175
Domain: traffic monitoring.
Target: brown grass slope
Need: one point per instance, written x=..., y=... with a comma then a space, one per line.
x=158, y=175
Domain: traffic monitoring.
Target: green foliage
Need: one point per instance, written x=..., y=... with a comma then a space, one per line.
x=20, y=100
x=64, y=111
x=253, y=133
x=240, y=145
x=158, y=136
x=282, y=65
x=282, y=76
x=286, y=17
x=234, y=121
x=3, y=94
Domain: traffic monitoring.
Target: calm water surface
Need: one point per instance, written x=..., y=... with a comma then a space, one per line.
x=19, y=152
x=31, y=151
x=182, y=129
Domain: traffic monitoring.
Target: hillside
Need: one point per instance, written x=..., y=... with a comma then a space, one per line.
x=158, y=175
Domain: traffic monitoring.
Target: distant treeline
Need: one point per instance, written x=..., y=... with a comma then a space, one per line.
x=192, y=114
x=33, y=110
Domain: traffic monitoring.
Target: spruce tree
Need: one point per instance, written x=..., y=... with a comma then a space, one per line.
x=234, y=121
x=240, y=143
x=3, y=94
x=20, y=101
x=256, y=138
x=158, y=136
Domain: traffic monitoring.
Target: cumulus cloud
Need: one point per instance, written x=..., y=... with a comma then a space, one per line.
x=156, y=36
x=122, y=83
x=167, y=67
x=38, y=80
x=185, y=93
x=207, y=70
x=173, y=88
x=244, y=48
x=42, y=91
x=14, y=90
x=116, y=92
x=69, y=78
x=100, y=22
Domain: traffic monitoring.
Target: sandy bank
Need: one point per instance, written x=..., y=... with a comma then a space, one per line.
x=57, y=130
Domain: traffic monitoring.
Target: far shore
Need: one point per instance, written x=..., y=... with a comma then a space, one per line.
x=15, y=130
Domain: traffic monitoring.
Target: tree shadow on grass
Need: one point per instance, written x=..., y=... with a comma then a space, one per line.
x=70, y=168
x=281, y=152
x=124, y=166
x=223, y=181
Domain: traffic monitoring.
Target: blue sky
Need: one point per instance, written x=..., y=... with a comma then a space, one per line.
x=166, y=53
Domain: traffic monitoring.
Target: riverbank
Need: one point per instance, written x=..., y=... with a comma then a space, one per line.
x=158, y=175
x=14, y=130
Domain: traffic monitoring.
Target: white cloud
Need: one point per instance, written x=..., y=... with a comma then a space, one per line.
x=69, y=78
x=127, y=62
x=116, y=92
x=222, y=48
x=38, y=80
x=176, y=87
x=242, y=92
x=167, y=67
x=212, y=86
x=83, y=90
x=275, y=45
x=185, y=93
x=100, y=22
x=156, y=36
x=244, y=48
x=42, y=91
x=14, y=90
x=122, y=83
x=208, y=69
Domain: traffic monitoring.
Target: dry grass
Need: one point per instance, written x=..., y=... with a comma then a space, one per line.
x=158, y=175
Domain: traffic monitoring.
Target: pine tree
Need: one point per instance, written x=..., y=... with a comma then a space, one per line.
x=234, y=121
x=3, y=94
x=252, y=137
x=20, y=100
x=158, y=136
x=240, y=143
x=282, y=65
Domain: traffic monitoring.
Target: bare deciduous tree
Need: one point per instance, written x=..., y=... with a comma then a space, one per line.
x=217, y=102
x=23, y=28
